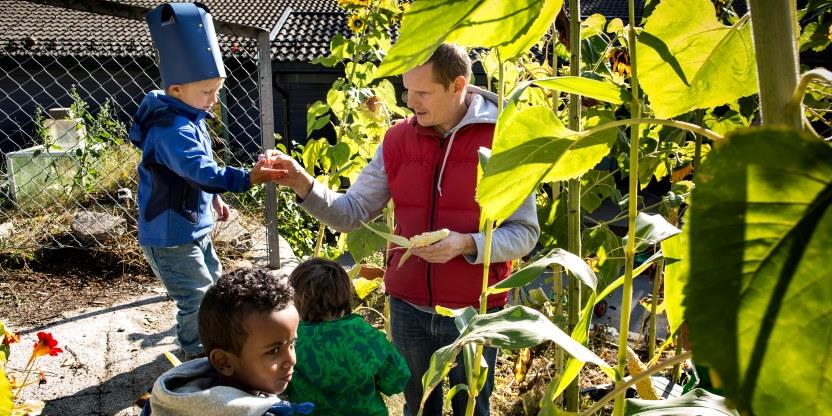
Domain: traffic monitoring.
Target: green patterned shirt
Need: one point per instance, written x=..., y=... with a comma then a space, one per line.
x=343, y=365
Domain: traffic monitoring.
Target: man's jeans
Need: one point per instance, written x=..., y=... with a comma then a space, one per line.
x=187, y=271
x=417, y=334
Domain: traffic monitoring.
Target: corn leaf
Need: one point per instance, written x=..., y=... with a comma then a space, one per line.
x=396, y=239
x=512, y=328
x=695, y=402
x=576, y=265
x=651, y=230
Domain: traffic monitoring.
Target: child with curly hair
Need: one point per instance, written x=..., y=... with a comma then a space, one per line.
x=248, y=327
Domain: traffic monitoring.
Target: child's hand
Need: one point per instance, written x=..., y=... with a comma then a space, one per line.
x=263, y=172
x=221, y=209
x=296, y=177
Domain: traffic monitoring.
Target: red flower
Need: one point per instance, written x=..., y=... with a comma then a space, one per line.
x=45, y=345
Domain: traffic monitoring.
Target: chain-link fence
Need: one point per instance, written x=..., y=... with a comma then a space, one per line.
x=68, y=171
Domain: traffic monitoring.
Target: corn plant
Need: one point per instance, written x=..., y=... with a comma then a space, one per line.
x=686, y=67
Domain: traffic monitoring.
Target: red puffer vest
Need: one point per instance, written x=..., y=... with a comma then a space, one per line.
x=413, y=159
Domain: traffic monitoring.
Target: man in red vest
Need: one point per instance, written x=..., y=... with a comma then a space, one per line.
x=428, y=164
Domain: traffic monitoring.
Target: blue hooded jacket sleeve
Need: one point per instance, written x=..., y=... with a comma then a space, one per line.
x=182, y=150
x=177, y=173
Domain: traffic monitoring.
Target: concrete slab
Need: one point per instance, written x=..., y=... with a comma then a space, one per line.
x=111, y=355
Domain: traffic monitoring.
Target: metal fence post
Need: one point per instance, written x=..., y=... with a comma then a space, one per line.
x=264, y=70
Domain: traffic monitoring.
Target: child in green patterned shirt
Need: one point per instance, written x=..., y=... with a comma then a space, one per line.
x=343, y=363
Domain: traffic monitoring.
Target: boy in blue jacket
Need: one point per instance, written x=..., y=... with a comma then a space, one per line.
x=179, y=181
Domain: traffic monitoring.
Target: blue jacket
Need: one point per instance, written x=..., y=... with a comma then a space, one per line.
x=177, y=175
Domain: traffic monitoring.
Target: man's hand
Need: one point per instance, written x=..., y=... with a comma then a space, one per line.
x=455, y=244
x=295, y=175
x=263, y=172
x=221, y=209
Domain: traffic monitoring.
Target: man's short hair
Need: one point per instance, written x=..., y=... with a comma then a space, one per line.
x=322, y=290
x=234, y=297
x=450, y=61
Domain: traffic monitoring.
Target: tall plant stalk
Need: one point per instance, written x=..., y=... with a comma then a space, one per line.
x=775, y=44
x=488, y=225
x=573, y=219
x=319, y=240
x=632, y=211
x=391, y=225
x=476, y=369
x=654, y=306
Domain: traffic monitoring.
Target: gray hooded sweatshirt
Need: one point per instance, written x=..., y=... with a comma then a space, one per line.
x=369, y=194
x=191, y=389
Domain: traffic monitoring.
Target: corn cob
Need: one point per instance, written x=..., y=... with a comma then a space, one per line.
x=645, y=387
x=521, y=365
x=423, y=240
x=420, y=240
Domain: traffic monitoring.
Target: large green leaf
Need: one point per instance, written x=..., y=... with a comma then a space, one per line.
x=314, y=121
x=587, y=87
x=758, y=297
x=530, y=272
x=695, y=402
x=364, y=241
x=476, y=23
x=512, y=328
x=532, y=145
x=687, y=59
x=596, y=186
x=315, y=152
x=541, y=24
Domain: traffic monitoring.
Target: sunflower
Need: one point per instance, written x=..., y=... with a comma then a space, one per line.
x=620, y=61
x=356, y=23
x=345, y=4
